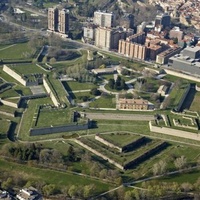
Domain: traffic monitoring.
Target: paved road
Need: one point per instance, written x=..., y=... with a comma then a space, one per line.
x=117, y=116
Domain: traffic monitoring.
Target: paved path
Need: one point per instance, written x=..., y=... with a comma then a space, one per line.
x=7, y=47
x=77, y=91
x=117, y=116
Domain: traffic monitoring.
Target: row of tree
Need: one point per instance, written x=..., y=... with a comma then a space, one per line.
x=118, y=84
x=28, y=152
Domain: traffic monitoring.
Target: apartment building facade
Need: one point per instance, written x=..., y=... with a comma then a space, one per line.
x=58, y=20
x=104, y=19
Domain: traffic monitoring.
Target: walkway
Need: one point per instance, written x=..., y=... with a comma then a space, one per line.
x=7, y=47
x=120, y=116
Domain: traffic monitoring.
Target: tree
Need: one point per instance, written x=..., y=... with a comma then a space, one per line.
x=52, y=60
x=71, y=154
x=95, y=92
x=72, y=191
x=7, y=184
x=118, y=83
x=129, y=195
x=155, y=169
x=111, y=83
x=180, y=162
x=159, y=168
x=44, y=60
x=186, y=187
x=88, y=190
x=49, y=189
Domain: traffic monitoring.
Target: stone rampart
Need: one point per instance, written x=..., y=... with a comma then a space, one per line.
x=51, y=94
x=7, y=114
x=13, y=74
x=34, y=96
x=174, y=132
x=145, y=155
x=99, y=154
x=107, y=143
x=8, y=103
x=58, y=129
x=174, y=73
x=126, y=147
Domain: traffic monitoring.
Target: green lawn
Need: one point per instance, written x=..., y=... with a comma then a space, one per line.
x=24, y=91
x=108, y=76
x=80, y=95
x=8, y=109
x=104, y=102
x=17, y=52
x=120, y=139
x=60, y=179
x=28, y=116
x=114, y=90
x=49, y=5
x=26, y=69
x=4, y=124
x=116, y=126
x=74, y=85
x=177, y=92
x=121, y=158
x=9, y=93
x=64, y=64
x=54, y=117
x=13, y=100
x=6, y=77
x=189, y=177
x=195, y=106
x=59, y=89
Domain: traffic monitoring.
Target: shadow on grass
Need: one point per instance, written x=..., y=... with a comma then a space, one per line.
x=149, y=154
x=11, y=131
x=68, y=89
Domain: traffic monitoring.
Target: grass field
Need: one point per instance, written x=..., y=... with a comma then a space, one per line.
x=4, y=124
x=26, y=69
x=7, y=77
x=8, y=109
x=74, y=85
x=177, y=93
x=121, y=158
x=9, y=93
x=80, y=95
x=195, y=106
x=64, y=64
x=120, y=139
x=60, y=91
x=22, y=90
x=104, y=102
x=60, y=179
x=28, y=116
x=54, y=117
x=16, y=52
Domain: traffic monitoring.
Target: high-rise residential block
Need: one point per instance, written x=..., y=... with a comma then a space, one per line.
x=53, y=19
x=63, y=21
x=163, y=20
x=58, y=20
x=104, y=19
x=108, y=38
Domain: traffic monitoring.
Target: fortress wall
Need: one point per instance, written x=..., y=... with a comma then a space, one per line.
x=14, y=75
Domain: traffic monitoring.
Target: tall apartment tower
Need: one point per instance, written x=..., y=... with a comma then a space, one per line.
x=108, y=38
x=104, y=19
x=63, y=21
x=163, y=20
x=53, y=19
